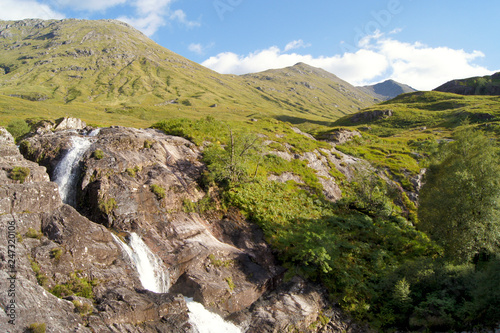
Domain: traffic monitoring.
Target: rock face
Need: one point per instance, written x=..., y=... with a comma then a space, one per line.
x=369, y=116
x=341, y=136
x=142, y=182
x=47, y=245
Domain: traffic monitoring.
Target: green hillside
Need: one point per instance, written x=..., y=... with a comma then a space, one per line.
x=109, y=67
x=486, y=85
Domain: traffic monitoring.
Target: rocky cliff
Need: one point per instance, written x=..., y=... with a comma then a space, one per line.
x=134, y=181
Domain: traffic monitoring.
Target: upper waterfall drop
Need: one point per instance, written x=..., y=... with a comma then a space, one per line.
x=66, y=172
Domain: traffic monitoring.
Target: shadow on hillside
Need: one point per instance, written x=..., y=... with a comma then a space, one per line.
x=297, y=120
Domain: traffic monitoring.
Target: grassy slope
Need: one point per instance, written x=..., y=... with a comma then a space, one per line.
x=107, y=66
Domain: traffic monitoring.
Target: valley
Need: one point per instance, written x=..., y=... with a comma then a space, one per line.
x=282, y=201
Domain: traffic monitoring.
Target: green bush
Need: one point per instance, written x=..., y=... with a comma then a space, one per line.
x=230, y=283
x=41, y=278
x=158, y=191
x=84, y=309
x=37, y=328
x=32, y=233
x=132, y=172
x=76, y=286
x=107, y=206
x=56, y=253
x=98, y=154
x=19, y=173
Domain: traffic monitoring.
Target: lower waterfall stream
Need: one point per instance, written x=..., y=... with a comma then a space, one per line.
x=154, y=277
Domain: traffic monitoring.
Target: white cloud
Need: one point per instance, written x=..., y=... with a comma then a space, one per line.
x=22, y=9
x=378, y=58
x=180, y=16
x=153, y=14
x=196, y=48
x=364, y=63
x=148, y=24
x=296, y=44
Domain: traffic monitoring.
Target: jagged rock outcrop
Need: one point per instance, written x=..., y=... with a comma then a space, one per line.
x=369, y=116
x=47, y=245
x=144, y=182
x=341, y=136
x=293, y=307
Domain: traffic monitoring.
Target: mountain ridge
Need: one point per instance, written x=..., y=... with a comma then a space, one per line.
x=485, y=85
x=109, y=63
x=387, y=90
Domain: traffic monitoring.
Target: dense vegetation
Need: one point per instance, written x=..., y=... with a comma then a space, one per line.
x=369, y=249
x=387, y=262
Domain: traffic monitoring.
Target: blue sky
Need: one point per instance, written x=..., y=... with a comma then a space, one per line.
x=423, y=43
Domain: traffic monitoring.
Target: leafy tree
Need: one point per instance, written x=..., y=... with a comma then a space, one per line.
x=460, y=201
x=229, y=165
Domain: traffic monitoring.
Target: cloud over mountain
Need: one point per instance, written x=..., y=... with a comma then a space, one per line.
x=377, y=56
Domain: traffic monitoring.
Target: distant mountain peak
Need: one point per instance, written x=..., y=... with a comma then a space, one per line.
x=387, y=89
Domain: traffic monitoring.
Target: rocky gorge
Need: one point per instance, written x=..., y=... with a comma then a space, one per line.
x=63, y=267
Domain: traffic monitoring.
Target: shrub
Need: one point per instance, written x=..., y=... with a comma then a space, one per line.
x=84, y=309
x=132, y=172
x=230, y=283
x=98, y=154
x=40, y=277
x=158, y=191
x=78, y=286
x=19, y=173
x=107, y=206
x=37, y=328
x=32, y=233
x=56, y=253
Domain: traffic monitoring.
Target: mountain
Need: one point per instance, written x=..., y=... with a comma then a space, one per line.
x=387, y=90
x=109, y=65
x=486, y=85
x=301, y=86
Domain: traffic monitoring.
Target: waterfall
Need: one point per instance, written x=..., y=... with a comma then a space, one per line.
x=153, y=276
x=205, y=321
x=66, y=172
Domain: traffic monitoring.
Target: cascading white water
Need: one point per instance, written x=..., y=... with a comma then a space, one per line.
x=153, y=276
x=66, y=171
x=205, y=321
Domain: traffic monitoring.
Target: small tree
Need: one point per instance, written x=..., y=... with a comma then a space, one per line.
x=229, y=165
x=460, y=201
